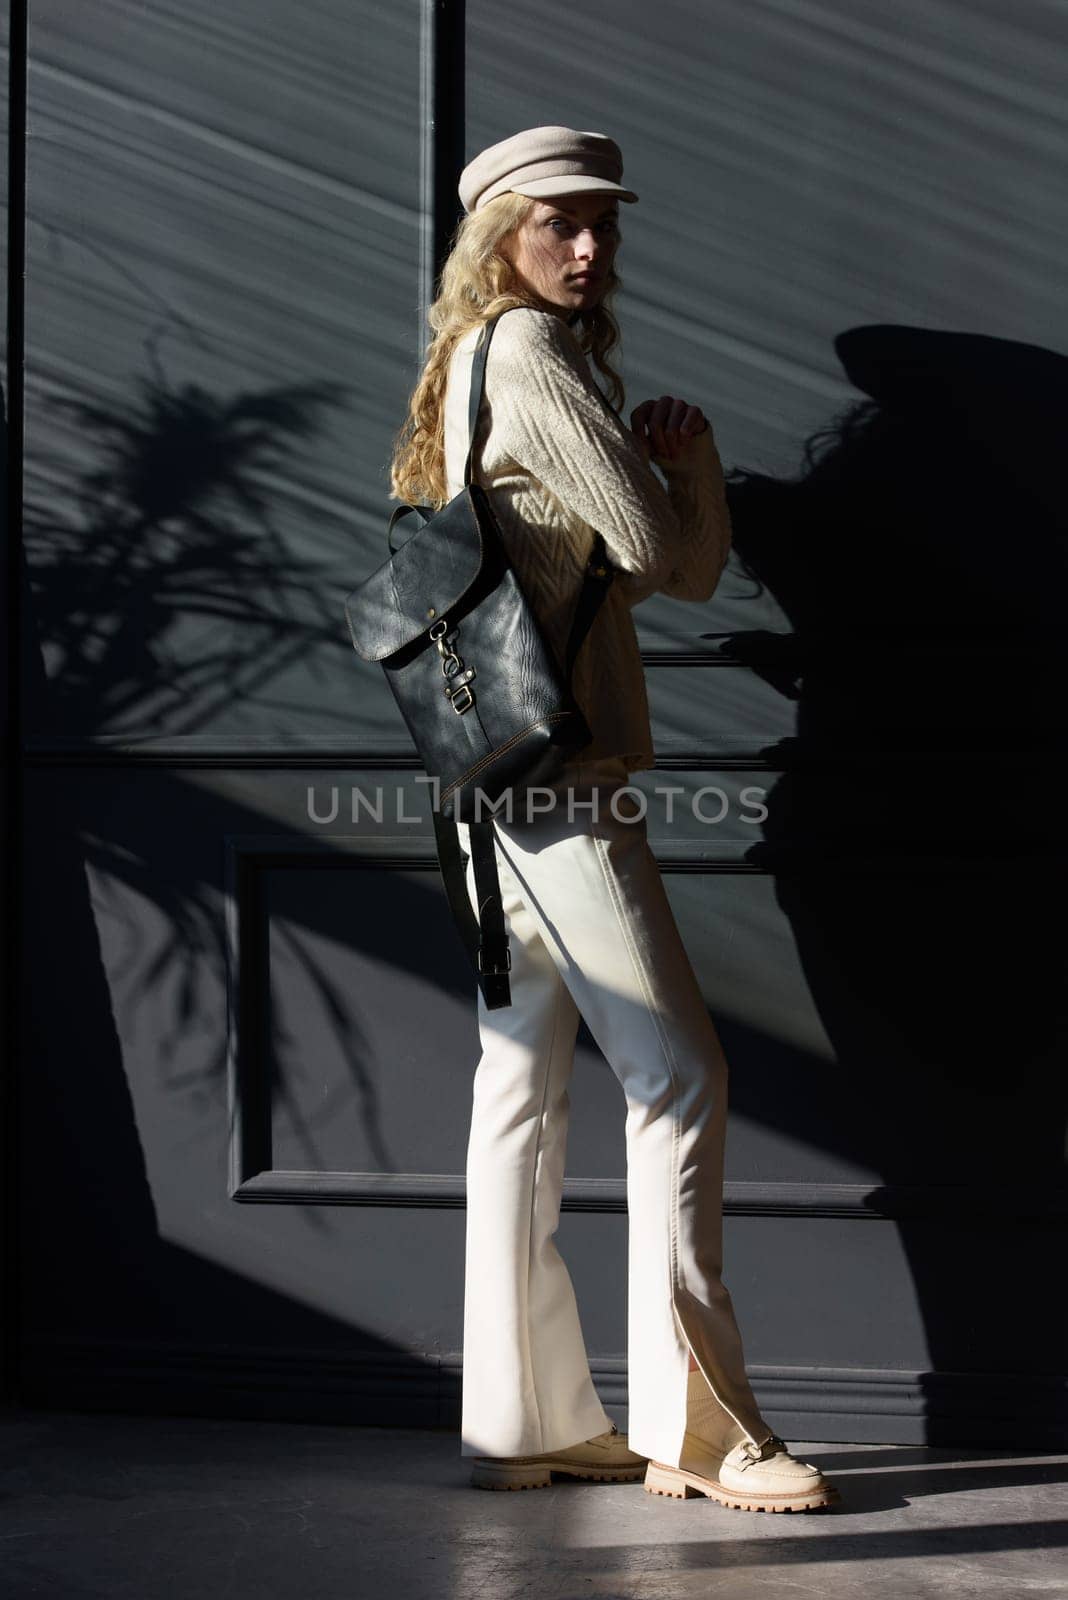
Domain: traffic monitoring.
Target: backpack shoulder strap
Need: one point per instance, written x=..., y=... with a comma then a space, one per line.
x=478, y=383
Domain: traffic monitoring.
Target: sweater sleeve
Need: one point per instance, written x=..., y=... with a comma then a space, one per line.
x=549, y=416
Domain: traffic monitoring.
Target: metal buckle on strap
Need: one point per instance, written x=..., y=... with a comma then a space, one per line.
x=491, y=970
x=461, y=699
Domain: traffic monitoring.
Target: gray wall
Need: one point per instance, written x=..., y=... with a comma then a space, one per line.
x=8, y=823
x=248, y=1034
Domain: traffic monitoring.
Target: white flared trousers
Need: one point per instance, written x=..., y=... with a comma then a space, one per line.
x=592, y=933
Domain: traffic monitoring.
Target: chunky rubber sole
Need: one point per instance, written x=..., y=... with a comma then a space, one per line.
x=680, y=1484
x=539, y=1474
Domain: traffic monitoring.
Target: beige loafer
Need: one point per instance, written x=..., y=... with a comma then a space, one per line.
x=604, y=1459
x=750, y=1477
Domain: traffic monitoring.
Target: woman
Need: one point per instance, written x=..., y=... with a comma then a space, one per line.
x=590, y=927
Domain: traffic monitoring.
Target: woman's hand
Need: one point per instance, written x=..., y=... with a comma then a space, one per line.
x=664, y=427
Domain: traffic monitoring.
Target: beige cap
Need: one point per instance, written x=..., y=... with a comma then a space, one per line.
x=544, y=161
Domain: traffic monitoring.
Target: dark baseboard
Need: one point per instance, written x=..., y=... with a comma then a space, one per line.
x=1022, y=1411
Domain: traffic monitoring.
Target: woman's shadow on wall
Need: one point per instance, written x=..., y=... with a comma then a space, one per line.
x=919, y=557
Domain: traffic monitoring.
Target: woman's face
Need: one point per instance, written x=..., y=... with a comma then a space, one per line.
x=564, y=250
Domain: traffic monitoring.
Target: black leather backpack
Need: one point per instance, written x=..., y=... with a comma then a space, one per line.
x=476, y=681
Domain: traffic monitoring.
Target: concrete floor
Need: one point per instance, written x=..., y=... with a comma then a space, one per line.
x=145, y=1507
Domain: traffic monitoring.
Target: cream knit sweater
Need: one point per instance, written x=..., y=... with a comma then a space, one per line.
x=557, y=466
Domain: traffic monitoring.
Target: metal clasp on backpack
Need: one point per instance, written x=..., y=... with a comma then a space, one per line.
x=460, y=695
x=483, y=967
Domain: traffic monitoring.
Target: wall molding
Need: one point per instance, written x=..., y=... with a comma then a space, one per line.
x=442, y=114
x=297, y=753
x=872, y=1202
x=12, y=582
x=253, y=1180
x=1022, y=1410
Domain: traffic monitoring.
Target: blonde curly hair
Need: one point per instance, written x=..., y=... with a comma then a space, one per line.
x=476, y=282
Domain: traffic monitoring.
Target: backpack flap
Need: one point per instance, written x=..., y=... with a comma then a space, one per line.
x=428, y=575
